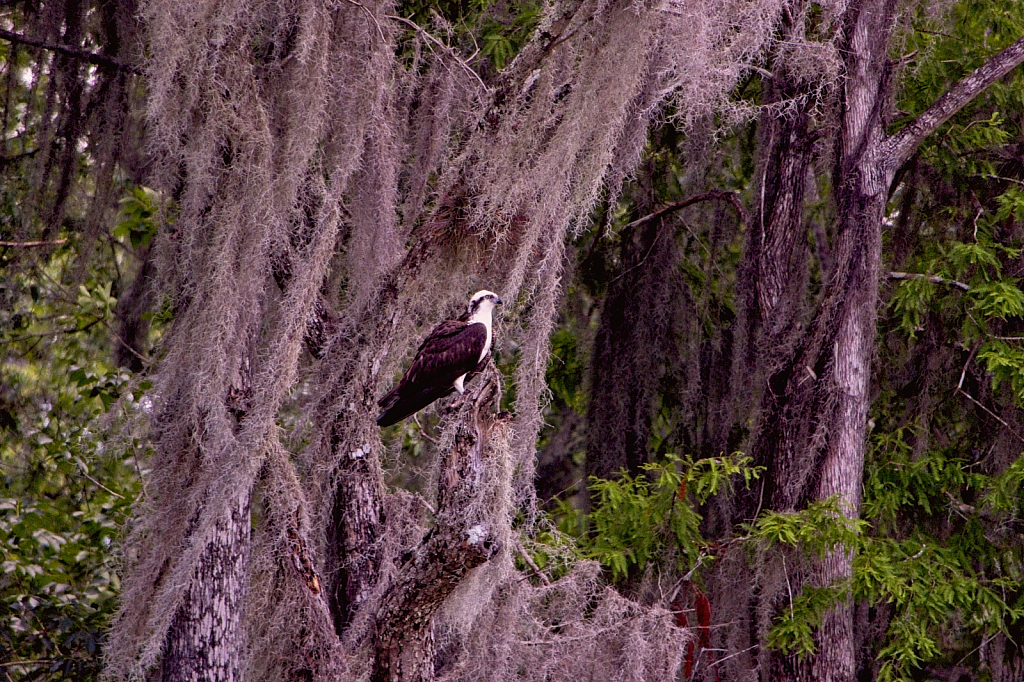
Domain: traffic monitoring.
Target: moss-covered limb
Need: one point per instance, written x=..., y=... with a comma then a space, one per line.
x=459, y=542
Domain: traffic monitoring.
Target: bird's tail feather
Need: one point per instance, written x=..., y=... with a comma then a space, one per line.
x=389, y=398
x=404, y=406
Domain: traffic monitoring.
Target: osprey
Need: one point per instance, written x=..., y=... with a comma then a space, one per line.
x=451, y=351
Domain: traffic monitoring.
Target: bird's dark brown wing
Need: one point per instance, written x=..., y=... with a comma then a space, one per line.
x=449, y=351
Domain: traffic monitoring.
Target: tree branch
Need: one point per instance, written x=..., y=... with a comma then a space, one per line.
x=68, y=51
x=29, y=245
x=55, y=332
x=34, y=662
x=901, y=145
x=8, y=160
x=934, y=279
x=458, y=543
x=714, y=195
x=431, y=39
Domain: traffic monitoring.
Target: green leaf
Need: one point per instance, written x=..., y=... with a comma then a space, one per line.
x=910, y=303
x=963, y=258
x=998, y=299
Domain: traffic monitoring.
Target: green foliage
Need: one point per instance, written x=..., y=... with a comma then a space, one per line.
x=934, y=587
x=793, y=632
x=67, y=485
x=138, y=217
x=897, y=482
x=1006, y=364
x=936, y=595
x=1005, y=492
x=503, y=40
x=949, y=48
x=923, y=580
x=59, y=578
x=652, y=516
x=937, y=552
x=1011, y=204
x=820, y=528
x=992, y=298
x=564, y=375
x=940, y=588
x=910, y=303
x=967, y=259
x=1000, y=299
x=63, y=497
x=482, y=27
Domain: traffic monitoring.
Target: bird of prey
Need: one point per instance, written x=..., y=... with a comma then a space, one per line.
x=451, y=351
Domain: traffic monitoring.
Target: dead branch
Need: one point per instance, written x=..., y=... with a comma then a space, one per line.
x=531, y=563
x=30, y=245
x=68, y=51
x=931, y=278
x=715, y=195
x=903, y=143
x=459, y=542
x=448, y=50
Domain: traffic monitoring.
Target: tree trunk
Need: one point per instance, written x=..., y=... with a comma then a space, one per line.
x=634, y=343
x=357, y=525
x=776, y=271
x=828, y=383
x=862, y=191
x=206, y=641
x=779, y=235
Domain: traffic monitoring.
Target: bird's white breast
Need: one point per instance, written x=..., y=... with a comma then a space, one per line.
x=483, y=316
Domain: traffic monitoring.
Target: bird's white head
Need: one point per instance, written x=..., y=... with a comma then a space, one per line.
x=482, y=303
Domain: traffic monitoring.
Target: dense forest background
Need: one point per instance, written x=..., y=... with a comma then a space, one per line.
x=755, y=411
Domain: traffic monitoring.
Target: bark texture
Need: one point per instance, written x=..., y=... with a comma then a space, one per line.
x=776, y=272
x=820, y=431
x=357, y=527
x=458, y=543
x=206, y=640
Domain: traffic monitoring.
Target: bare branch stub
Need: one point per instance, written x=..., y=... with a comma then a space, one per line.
x=458, y=543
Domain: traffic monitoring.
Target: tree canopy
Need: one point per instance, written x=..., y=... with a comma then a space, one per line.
x=755, y=405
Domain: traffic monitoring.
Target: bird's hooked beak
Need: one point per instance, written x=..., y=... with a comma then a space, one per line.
x=497, y=300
